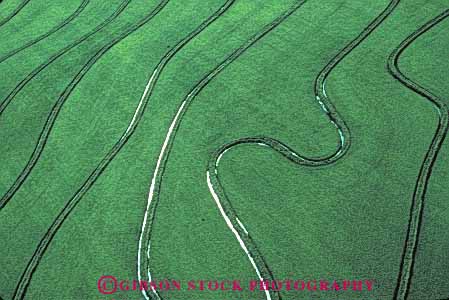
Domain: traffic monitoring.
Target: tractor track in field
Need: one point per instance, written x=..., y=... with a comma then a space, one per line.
x=59, y=26
x=25, y=279
x=44, y=135
x=156, y=181
x=417, y=205
x=243, y=237
x=14, y=13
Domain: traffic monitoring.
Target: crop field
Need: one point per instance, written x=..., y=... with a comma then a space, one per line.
x=224, y=149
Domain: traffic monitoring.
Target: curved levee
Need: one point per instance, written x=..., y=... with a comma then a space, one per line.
x=24, y=281
x=26, y=171
x=75, y=14
x=4, y=104
x=14, y=13
x=71, y=204
x=425, y=172
x=153, y=196
x=216, y=189
x=43, y=245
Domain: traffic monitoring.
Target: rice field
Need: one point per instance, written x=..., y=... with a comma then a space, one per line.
x=300, y=143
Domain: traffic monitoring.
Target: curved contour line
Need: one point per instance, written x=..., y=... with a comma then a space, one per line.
x=26, y=276
x=14, y=13
x=425, y=172
x=153, y=196
x=4, y=104
x=322, y=98
x=216, y=189
x=122, y=141
x=69, y=19
x=36, y=153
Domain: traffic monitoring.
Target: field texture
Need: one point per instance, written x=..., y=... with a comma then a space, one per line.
x=221, y=140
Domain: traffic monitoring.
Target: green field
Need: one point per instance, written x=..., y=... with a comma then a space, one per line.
x=224, y=140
